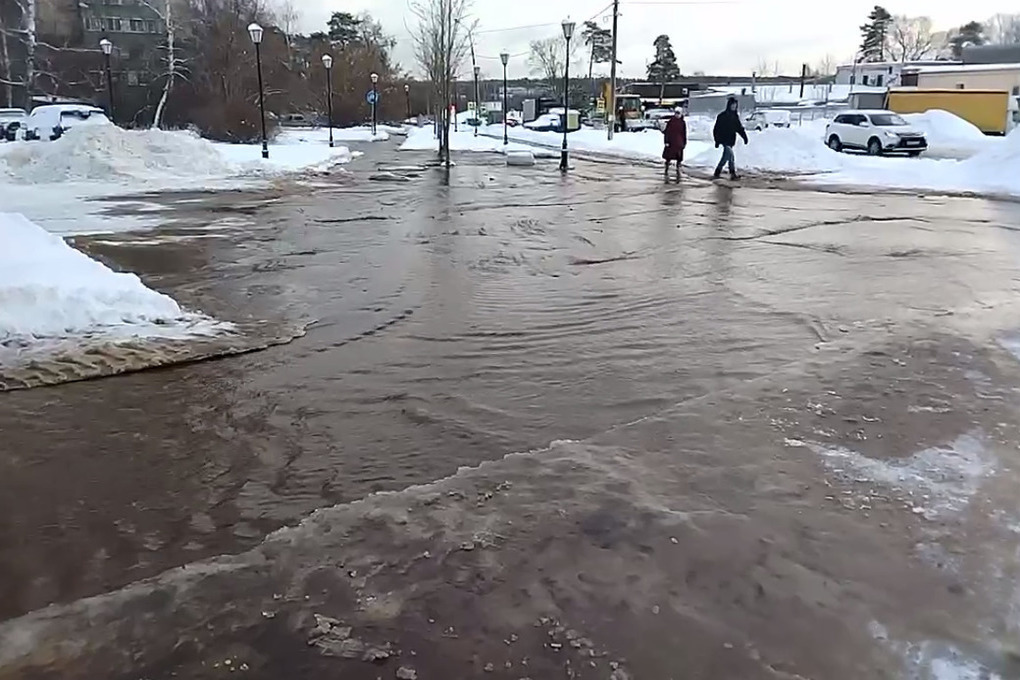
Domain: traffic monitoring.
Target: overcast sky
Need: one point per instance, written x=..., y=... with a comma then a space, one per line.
x=715, y=36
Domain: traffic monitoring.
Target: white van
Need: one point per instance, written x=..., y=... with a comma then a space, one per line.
x=11, y=121
x=50, y=122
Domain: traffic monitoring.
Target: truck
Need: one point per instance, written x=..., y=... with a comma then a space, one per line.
x=629, y=113
x=991, y=111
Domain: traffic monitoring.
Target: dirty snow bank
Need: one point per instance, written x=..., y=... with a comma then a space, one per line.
x=157, y=158
x=49, y=289
x=424, y=139
x=108, y=153
x=791, y=151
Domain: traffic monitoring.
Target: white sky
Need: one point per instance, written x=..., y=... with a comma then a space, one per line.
x=715, y=36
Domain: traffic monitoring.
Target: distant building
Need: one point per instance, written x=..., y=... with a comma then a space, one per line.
x=879, y=74
x=990, y=76
x=69, y=62
x=991, y=54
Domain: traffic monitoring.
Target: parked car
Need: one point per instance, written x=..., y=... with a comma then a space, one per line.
x=877, y=132
x=659, y=117
x=760, y=120
x=50, y=122
x=11, y=121
x=297, y=120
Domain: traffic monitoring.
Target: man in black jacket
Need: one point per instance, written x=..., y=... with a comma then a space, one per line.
x=727, y=127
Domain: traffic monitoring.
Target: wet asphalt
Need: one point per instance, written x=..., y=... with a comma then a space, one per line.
x=681, y=362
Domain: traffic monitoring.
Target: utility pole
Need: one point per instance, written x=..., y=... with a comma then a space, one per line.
x=611, y=104
x=803, y=77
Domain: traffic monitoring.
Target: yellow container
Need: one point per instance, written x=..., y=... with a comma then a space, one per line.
x=988, y=110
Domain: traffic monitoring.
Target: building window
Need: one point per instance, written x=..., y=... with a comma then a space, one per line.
x=111, y=24
x=960, y=86
x=138, y=26
x=151, y=27
x=853, y=79
x=878, y=80
x=864, y=80
x=1016, y=90
x=132, y=78
x=93, y=24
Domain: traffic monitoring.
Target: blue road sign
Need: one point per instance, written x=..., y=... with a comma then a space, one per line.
x=372, y=97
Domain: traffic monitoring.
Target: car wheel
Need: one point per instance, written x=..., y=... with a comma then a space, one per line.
x=835, y=144
x=874, y=147
x=758, y=129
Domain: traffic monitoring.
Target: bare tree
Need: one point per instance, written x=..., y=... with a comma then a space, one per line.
x=287, y=18
x=548, y=57
x=910, y=39
x=826, y=66
x=1003, y=29
x=24, y=31
x=767, y=67
x=170, y=16
x=441, y=41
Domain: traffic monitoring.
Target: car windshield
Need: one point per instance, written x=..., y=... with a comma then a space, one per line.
x=886, y=119
x=77, y=117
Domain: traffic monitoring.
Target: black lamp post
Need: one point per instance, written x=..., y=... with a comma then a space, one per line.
x=107, y=47
x=375, y=100
x=327, y=61
x=505, y=58
x=568, y=33
x=255, y=31
x=478, y=105
x=407, y=96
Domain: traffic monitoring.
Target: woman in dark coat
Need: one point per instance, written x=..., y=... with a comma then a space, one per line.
x=675, y=137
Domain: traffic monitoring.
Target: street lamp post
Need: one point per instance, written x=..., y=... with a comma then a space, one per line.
x=255, y=31
x=505, y=58
x=107, y=47
x=478, y=105
x=327, y=61
x=568, y=33
x=407, y=96
x=375, y=100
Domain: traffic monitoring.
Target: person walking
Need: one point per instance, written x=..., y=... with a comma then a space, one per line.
x=727, y=127
x=675, y=138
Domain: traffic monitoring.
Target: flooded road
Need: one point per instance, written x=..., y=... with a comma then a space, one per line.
x=772, y=434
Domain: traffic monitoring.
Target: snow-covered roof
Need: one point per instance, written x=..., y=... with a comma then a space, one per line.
x=887, y=64
x=965, y=68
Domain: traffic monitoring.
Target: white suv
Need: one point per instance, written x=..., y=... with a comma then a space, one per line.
x=876, y=132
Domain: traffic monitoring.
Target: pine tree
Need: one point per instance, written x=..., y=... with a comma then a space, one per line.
x=664, y=68
x=874, y=35
x=972, y=33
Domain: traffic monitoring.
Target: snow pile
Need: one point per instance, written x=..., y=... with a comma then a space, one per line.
x=321, y=135
x=699, y=128
x=106, y=152
x=948, y=134
x=487, y=141
x=288, y=157
x=790, y=151
x=50, y=290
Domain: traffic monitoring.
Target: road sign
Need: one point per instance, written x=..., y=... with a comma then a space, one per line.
x=471, y=106
x=600, y=105
x=372, y=97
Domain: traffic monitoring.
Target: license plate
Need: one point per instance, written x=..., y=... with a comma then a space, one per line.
x=913, y=142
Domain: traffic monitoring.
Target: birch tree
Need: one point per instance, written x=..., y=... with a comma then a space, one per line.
x=22, y=29
x=169, y=15
x=910, y=39
x=440, y=46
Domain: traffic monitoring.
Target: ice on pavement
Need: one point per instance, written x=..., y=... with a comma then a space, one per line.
x=50, y=290
x=936, y=481
x=464, y=139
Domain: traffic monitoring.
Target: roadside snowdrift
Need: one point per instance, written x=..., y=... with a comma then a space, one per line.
x=50, y=290
x=787, y=151
x=158, y=158
x=949, y=135
x=108, y=153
